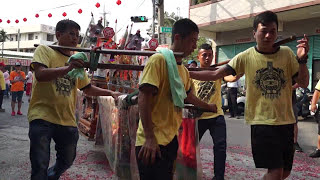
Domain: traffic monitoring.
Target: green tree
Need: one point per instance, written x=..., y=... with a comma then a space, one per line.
x=3, y=37
x=170, y=19
x=193, y=56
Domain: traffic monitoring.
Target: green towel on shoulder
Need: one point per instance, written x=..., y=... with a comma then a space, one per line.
x=178, y=91
x=77, y=73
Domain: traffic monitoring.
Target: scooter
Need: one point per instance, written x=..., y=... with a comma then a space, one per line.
x=241, y=101
x=304, y=97
x=224, y=97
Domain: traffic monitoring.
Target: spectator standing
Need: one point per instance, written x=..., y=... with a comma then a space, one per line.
x=29, y=83
x=232, y=98
x=17, y=78
x=2, y=85
x=7, y=80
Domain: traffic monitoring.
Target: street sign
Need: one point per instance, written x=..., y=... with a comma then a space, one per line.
x=166, y=29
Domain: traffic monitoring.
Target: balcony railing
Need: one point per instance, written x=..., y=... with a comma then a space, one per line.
x=196, y=2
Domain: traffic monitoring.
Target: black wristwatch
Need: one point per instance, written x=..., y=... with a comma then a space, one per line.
x=302, y=61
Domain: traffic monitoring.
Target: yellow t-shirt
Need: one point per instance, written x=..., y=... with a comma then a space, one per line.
x=54, y=101
x=269, y=85
x=318, y=86
x=209, y=92
x=2, y=81
x=165, y=116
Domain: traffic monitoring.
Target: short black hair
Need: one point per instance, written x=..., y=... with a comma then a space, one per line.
x=265, y=18
x=205, y=46
x=65, y=24
x=194, y=62
x=184, y=27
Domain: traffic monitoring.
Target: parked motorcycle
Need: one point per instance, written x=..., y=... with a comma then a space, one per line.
x=241, y=101
x=304, y=97
x=224, y=97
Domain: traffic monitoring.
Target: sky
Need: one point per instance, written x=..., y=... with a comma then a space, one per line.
x=19, y=9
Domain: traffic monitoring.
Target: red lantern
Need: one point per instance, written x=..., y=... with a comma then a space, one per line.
x=0, y=20
x=119, y=2
x=98, y=5
x=64, y=14
x=25, y=19
x=17, y=21
x=80, y=11
x=49, y=15
x=37, y=15
x=8, y=21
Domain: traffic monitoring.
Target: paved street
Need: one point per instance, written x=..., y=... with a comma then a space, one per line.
x=91, y=162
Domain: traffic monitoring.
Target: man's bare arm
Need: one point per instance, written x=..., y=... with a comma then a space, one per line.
x=302, y=53
x=96, y=91
x=44, y=74
x=212, y=75
x=232, y=78
x=303, y=76
x=191, y=98
x=150, y=148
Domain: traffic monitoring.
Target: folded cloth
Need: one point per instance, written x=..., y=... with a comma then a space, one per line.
x=79, y=72
x=178, y=91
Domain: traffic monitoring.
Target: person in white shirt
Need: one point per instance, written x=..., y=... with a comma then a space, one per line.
x=232, y=98
x=7, y=81
x=29, y=83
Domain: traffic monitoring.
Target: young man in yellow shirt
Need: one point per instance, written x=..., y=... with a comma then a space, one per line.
x=51, y=111
x=269, y=73
x=156, y=142
x=210, y=92
x=314, y=102
x=2, y=85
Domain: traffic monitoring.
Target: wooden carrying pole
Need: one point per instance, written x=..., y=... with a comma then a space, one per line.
x=111, y=51
x=146, y=53
x=275, y=45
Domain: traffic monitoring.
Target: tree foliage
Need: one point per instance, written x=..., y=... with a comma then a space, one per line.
x=170, y=19
x=3, y=36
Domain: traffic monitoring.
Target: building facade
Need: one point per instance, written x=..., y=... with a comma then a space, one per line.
x=229, y=23
x=29, y=35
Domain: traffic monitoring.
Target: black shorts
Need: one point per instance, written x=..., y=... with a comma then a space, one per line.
x=17, y=95
x=272, y=146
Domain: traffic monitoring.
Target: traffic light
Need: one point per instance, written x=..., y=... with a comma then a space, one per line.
x=139, y=19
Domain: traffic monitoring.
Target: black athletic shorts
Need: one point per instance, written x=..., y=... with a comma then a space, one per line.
x=272, y=146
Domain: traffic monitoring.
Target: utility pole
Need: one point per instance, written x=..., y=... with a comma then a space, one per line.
x=18, y=49
x=153, y=16
x=105, y=22
x=160, y=20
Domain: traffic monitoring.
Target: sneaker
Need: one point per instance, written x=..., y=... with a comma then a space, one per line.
x=19, y=113
x=2, y=110
x=13, y=113
x=238, y=117
x=315, y=154
x=297, y=147
x=231, y=116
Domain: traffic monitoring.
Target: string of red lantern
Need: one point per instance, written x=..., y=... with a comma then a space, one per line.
x=63, y=14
